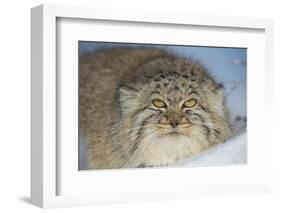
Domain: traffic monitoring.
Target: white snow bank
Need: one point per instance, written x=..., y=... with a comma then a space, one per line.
x=231, y=152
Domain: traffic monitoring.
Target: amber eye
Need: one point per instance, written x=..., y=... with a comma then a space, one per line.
x=159, y=103
x=190, y=103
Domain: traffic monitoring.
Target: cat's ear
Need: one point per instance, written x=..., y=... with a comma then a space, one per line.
x=127, y=99
x=219, y=91
x=126, y=92
x=219, y=101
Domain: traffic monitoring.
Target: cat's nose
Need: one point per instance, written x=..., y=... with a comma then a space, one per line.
x=174, y=123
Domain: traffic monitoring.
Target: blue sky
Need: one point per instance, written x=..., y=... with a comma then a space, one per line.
x=227, y=65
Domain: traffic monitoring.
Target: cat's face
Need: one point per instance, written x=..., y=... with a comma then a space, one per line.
x=172, y=106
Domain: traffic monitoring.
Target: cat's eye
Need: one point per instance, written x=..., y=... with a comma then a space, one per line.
x=159, y=103
x=190, y=103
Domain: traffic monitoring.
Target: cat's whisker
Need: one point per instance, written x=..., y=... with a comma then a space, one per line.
x=151, y=125
x=135, y=134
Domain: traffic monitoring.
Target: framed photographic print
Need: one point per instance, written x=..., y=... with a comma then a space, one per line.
x=130, y=106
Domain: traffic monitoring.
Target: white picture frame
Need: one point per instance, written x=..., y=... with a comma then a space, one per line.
x=47, y=165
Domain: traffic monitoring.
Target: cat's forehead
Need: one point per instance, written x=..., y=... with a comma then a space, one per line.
x=174, y=79
x=175, y=88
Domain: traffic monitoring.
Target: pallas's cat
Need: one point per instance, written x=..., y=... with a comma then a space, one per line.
x=144, y=107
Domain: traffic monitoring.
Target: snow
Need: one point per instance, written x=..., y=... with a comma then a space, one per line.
x=228, y=153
